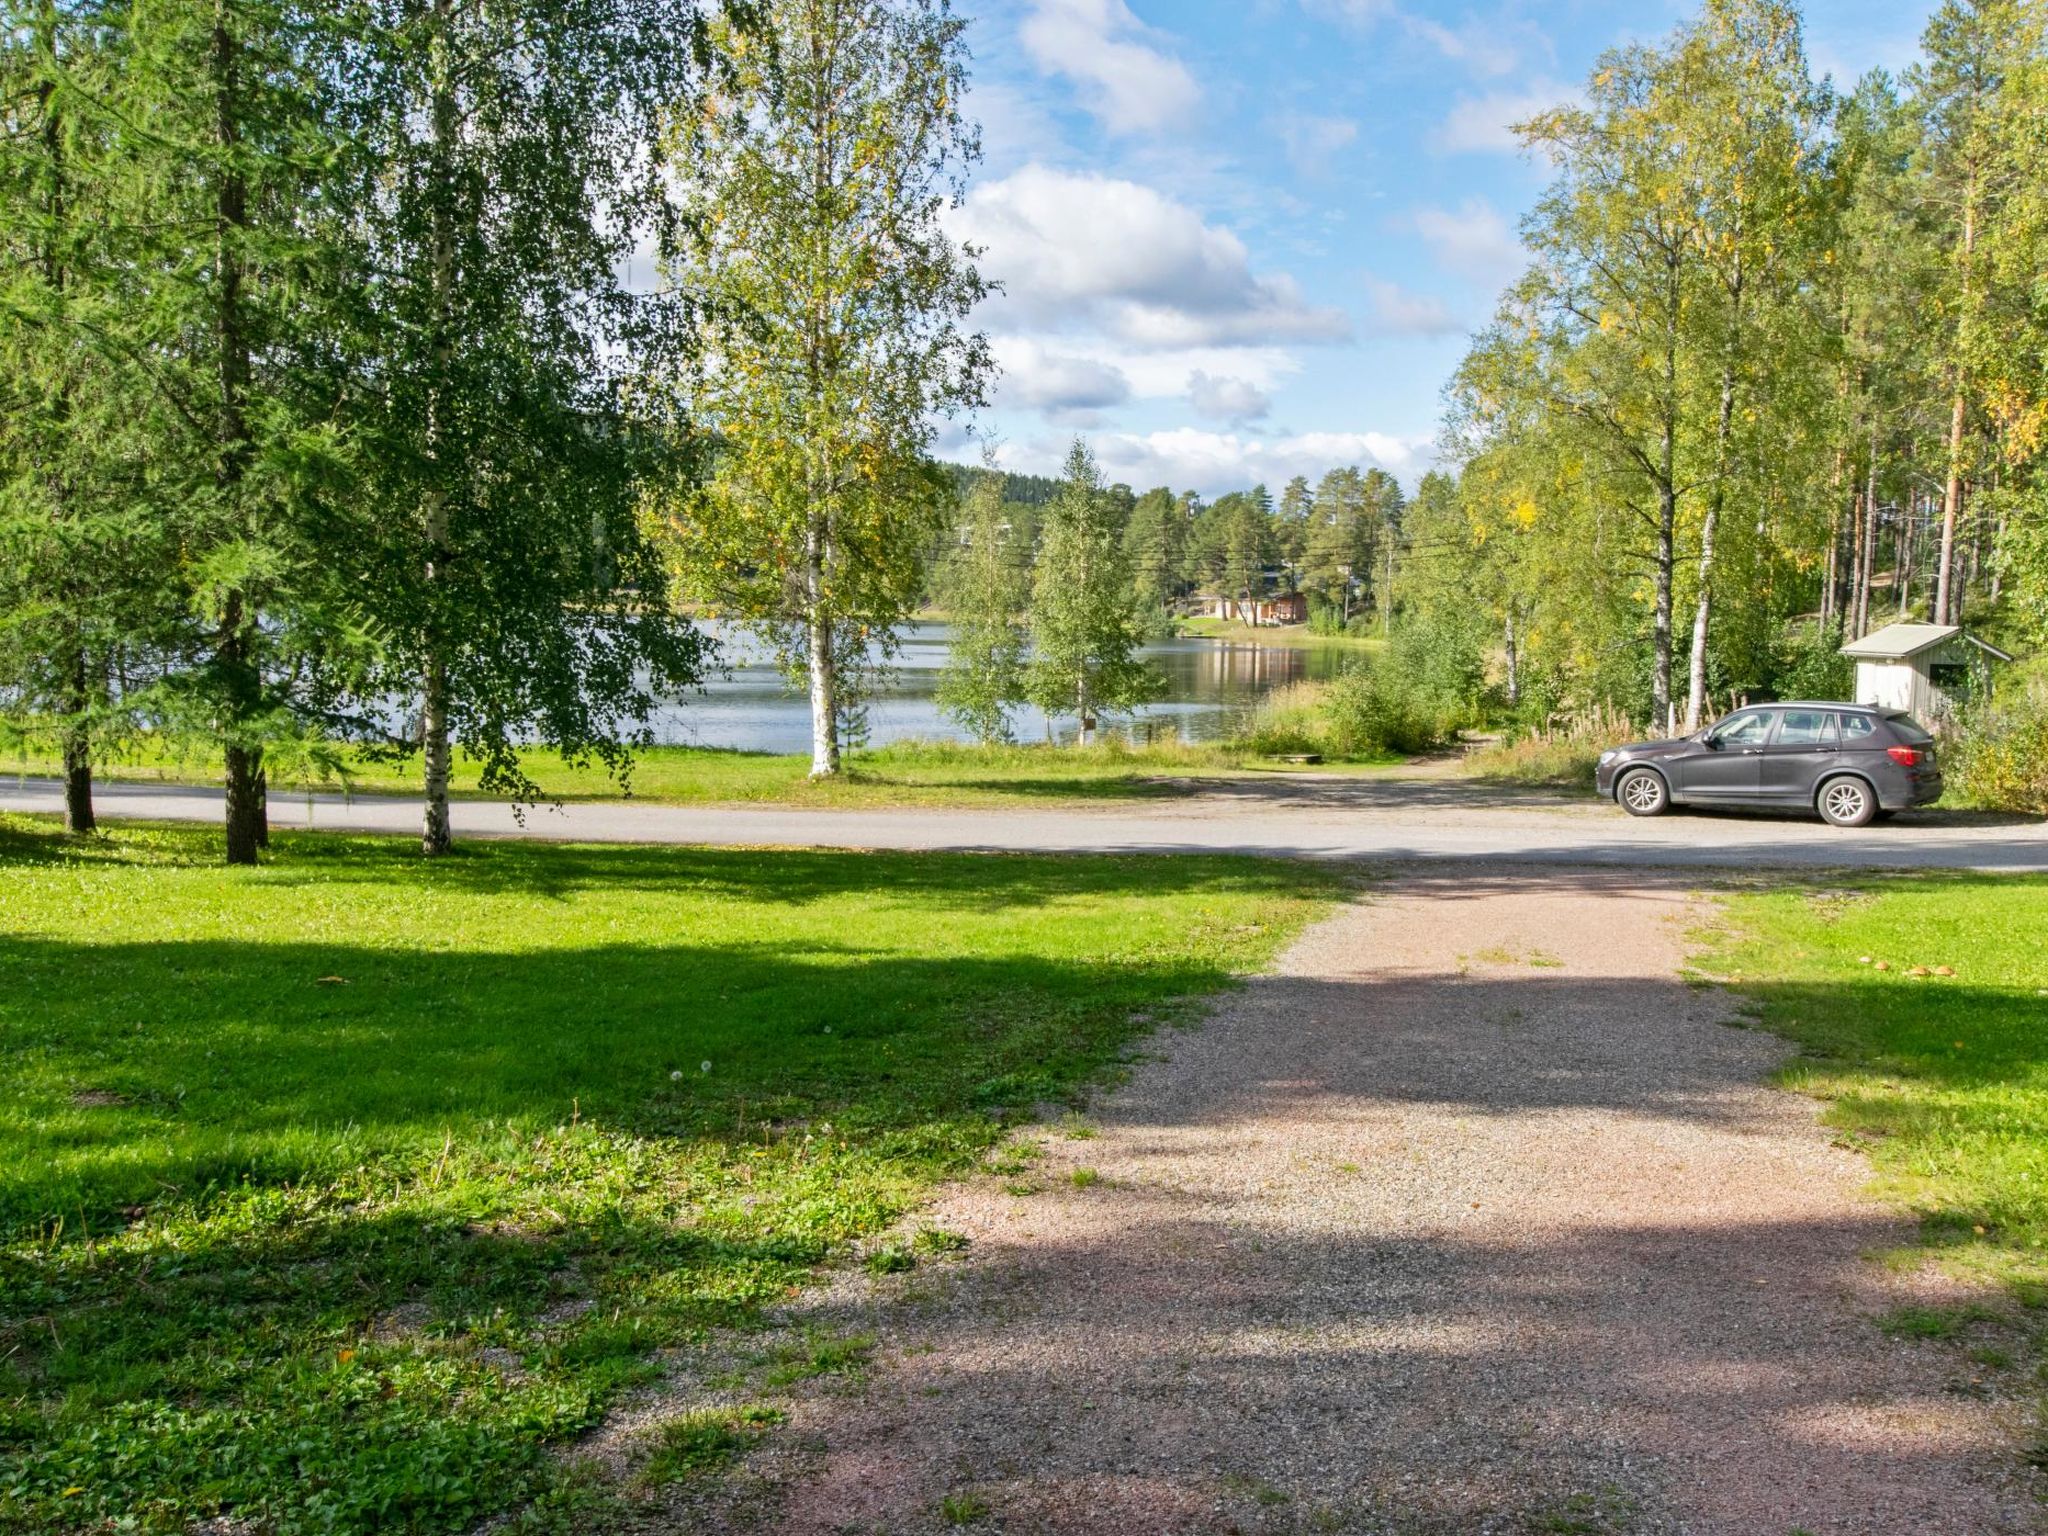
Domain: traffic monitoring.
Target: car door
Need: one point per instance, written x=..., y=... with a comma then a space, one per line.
x=1728, y=764
x=1799, y=755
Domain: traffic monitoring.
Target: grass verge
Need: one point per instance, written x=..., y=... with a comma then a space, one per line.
x=909, y=774
x=1295, y=635
x=335, y=1193
x=1920, y=1003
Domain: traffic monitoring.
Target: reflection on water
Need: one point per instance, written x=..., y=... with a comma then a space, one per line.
x=1209, y=685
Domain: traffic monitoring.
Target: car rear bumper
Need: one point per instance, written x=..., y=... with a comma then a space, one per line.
x=1910, y=789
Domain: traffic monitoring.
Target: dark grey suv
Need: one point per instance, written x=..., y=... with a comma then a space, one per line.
x=1847, y=762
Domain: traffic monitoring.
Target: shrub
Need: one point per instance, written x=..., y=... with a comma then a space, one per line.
x=1289, y=720
x=1437, y=664
x=1564, y=755
x=1811, y=666
x=1997, y=748
x=1373, y=711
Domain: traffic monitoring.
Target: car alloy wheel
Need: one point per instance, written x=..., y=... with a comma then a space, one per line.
x=1847, y=802
x=1641, y=793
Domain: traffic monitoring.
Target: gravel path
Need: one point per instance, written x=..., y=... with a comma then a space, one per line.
x=1331, y=817
x=1473, y=1219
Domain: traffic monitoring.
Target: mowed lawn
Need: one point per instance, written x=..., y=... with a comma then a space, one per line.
x=1941, y=1078
x=912, y=774
x=336, y=1192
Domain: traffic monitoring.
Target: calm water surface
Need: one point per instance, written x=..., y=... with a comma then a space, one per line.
x=1210, y=684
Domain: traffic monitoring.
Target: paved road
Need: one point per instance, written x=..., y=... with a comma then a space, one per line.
x=1328, y=818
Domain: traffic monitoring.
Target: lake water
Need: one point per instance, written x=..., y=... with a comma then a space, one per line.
x=1210, y=685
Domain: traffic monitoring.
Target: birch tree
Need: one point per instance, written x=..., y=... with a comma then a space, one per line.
x=837, y=302
x=1752, y=124
x=985, y=589
x=1085, y=624
x=497, y=551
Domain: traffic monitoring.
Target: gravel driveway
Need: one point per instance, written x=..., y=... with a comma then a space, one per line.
x=1473, y=1219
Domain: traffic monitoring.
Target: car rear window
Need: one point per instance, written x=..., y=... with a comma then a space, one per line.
x=1806, y=728
x=1857, y=727
x=1909, y=730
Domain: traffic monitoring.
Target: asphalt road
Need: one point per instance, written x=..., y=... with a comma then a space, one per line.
x=1333, y=818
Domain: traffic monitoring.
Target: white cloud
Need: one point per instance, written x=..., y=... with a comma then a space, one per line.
x=1486, y=46
x=1312, y=141
x=1226, y=399
x=1087, y=252
x=1472, y=239
x=1400, y=312
x=1016, y=126
x=1190, y=458
x=1485, y=124
x=1479, y=47
x=1063, y=386
x=1130, y=85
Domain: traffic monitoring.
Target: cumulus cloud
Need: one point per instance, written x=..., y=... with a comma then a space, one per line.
x=1226, y=399
x=1064, y=386
x=1485, y=124
x=1190, y=458
x=1078, y=251
x=1312, y=141
x=1472, y=239
x=1127, y=82
x=1397, y=311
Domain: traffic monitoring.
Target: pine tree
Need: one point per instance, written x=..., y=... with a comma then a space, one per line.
x=1155, y=543
x=81, y=556
x=234, y=279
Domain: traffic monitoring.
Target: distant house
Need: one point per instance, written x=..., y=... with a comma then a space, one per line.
x=1282, y=608
x=1920, y=668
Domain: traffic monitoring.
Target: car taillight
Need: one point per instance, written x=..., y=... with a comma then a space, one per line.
x=1905, y=757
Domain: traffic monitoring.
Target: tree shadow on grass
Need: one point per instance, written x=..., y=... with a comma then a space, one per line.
x=350, y=1234
x=978, y=882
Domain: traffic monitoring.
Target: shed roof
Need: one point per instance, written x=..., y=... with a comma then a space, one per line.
x=1902, y=642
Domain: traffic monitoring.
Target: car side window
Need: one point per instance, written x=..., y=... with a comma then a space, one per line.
x=1807, y=728
x=1747, y=729
x=1857, y=730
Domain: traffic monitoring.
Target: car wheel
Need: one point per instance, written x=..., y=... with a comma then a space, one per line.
x=1846, y=802
x=1641, y=792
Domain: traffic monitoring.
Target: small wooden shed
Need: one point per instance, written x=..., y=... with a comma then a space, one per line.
x=1919, y=668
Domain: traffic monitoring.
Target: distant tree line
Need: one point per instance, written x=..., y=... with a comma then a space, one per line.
x=1339, y=541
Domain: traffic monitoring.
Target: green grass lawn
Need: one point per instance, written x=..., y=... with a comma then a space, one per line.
x=1295, y=635
x=335, y=1192
x=935, y=774
x=1942, y=1079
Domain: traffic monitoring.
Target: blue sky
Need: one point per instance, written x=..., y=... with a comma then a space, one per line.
x=1244, y=239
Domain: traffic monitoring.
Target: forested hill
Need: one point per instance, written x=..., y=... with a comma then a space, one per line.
x=1024, y=490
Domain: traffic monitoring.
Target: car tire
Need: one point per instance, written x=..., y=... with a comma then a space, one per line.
x=1642, y=792
x=1844, y=801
